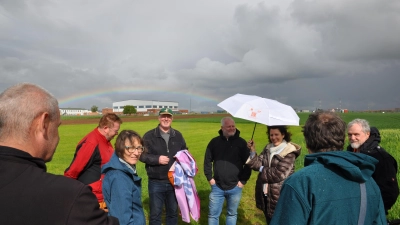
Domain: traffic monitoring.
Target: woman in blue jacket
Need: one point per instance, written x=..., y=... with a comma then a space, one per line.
x=122, y=187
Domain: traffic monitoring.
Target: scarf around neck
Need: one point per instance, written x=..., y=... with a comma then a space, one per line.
x=274, y=150
x=131, y=167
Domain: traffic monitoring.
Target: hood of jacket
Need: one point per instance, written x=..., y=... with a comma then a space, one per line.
x=353, y=166
x=371, y=143
x=115, y=164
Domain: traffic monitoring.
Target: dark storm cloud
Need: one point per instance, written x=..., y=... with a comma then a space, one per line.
x=303, y=53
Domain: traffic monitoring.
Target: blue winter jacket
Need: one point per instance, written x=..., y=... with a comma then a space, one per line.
x=327, y=191
x=122, y=190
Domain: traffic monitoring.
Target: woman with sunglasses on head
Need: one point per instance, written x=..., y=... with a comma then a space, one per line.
x=275, y=163
x=122, y=187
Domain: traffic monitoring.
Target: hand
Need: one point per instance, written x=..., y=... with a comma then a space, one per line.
x=240, y=185
x=163, y=160
x=212, y=181
x=251, y=145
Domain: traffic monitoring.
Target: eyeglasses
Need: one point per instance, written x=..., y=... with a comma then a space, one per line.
x=132, y=149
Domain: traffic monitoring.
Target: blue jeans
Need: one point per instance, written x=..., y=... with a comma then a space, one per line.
x=217, y=198
x=161, y=194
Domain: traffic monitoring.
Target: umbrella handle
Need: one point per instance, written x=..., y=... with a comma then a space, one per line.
x=253, y=130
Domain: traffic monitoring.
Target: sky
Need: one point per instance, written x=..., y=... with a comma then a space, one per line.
x=304, y=53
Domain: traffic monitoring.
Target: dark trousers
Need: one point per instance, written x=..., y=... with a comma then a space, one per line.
x=267, y=218
x=162, y=194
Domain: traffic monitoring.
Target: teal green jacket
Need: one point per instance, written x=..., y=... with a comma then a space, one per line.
x=122, y=190
x=327, y=191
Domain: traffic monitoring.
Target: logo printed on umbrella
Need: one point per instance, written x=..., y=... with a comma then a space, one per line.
x=253, y=112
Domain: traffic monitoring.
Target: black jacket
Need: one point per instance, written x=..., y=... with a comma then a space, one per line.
x=386, y=169
x=227, y=159
x=29, y=195
x=155, y=147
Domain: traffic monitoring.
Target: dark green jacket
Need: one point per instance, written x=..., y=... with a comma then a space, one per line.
x=327, y=191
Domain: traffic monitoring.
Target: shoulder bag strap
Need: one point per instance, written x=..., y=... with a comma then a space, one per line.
x=363, y=205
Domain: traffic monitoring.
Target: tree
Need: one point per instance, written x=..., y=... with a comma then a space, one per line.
x=129, y=109
x=94, y=108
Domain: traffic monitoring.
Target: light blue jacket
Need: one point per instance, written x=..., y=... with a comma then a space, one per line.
x=327, y=191
x=122, y=190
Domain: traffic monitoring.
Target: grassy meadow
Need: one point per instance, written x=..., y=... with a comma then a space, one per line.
x=198, y=132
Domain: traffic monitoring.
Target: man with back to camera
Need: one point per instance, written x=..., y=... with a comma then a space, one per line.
x=335, y=186
x=366, y=139
x=29, y=136
x=162, y=143
x=92, y=152
x=225, y=170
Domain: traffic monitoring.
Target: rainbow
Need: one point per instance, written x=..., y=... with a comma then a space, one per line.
x=69, y=100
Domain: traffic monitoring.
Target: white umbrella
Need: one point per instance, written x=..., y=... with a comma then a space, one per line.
x=260, y=110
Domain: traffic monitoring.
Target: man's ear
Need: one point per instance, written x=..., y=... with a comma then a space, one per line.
x=43, y=123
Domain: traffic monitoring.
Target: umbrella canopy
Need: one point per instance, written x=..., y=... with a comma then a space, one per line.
x=260, y=110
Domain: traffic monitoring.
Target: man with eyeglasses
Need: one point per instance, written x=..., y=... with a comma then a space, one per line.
x=92, y=152
x=162, y=143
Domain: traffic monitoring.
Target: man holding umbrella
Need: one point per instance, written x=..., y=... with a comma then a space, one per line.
x=224, y=167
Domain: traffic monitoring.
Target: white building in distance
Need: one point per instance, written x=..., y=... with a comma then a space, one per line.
x=74, y=111
x=144, y=106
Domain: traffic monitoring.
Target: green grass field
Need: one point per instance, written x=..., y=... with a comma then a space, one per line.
x=198, y=132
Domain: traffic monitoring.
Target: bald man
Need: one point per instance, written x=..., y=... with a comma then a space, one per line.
x=29, y=121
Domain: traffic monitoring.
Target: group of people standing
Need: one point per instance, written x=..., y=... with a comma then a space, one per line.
x=113, y=176
x=334, y=187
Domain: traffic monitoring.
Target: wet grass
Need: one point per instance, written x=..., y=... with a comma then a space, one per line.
x=198, y=132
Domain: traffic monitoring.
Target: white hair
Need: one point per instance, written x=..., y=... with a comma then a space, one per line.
x=363, y=123
x=20, y=105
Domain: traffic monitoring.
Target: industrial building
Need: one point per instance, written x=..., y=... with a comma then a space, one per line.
x=145, y=106
x=74, y=112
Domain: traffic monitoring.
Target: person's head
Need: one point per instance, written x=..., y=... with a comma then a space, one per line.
x=109, y=125
x=165, y=118
x=29, y=120
x=358, y=131
x=276, y=134
x=129, y=146
x=228, y=127
x=324, y=132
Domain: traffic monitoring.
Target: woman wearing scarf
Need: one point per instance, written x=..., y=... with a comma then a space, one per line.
x=122, y=187
x=275, y=163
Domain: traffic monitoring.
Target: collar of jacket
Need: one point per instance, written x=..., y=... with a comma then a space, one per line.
x=97, y=132
x=236, y=135
x=157, y=131
x=290, y=147
x=20, y=156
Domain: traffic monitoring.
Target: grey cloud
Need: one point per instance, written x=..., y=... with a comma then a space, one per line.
x=294, y=51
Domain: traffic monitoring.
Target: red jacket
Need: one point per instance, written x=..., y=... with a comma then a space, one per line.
x=92, y=152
